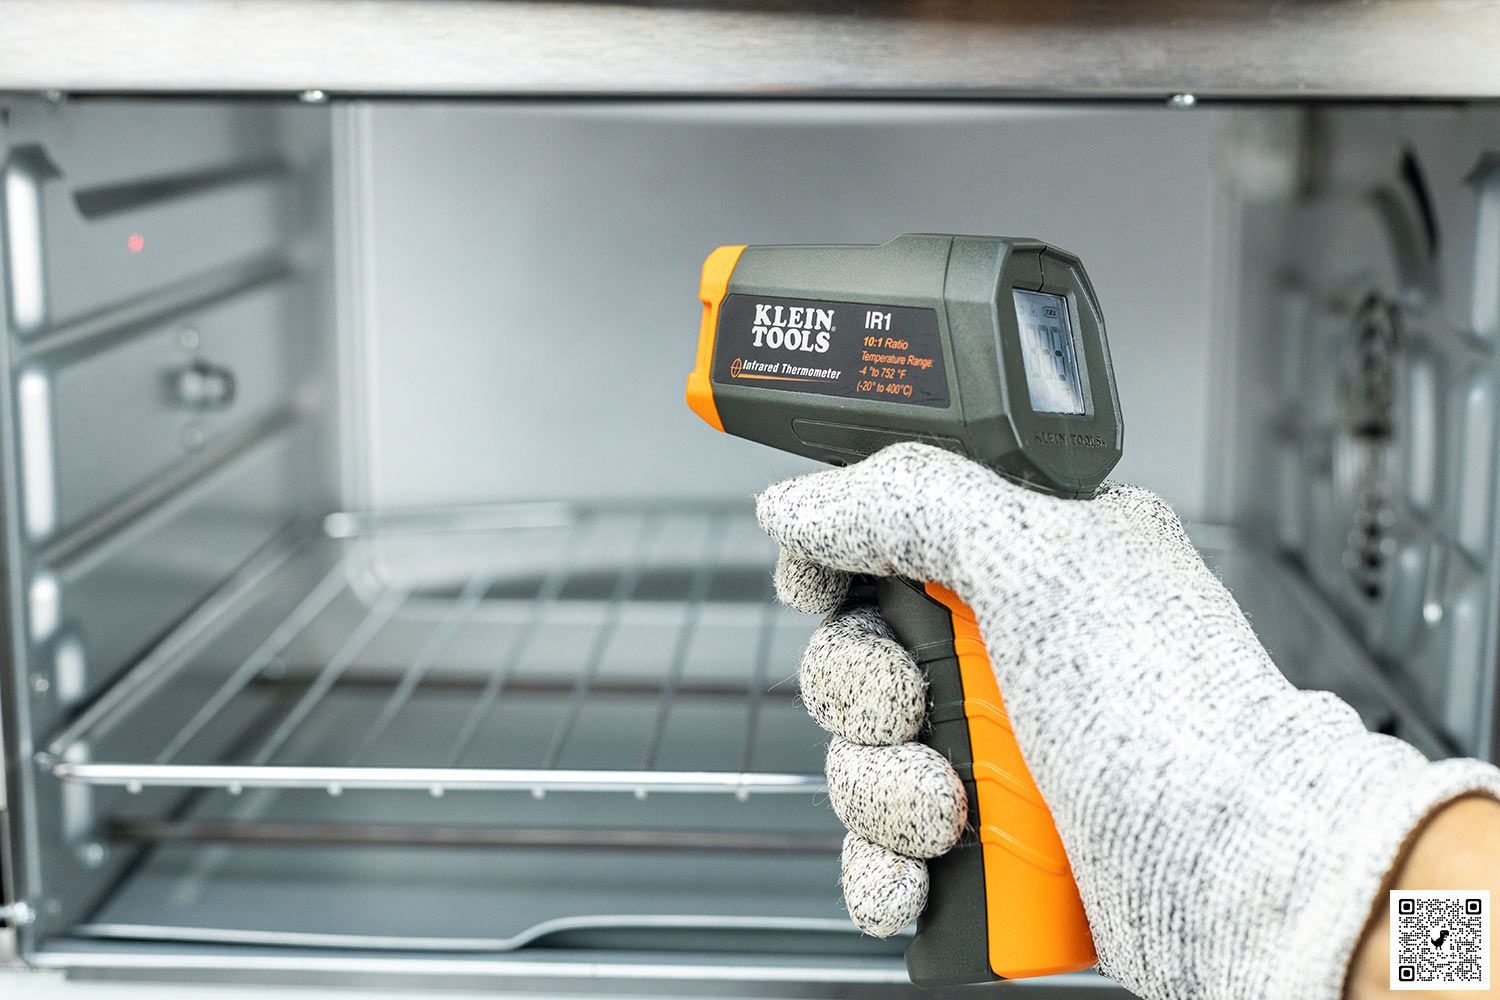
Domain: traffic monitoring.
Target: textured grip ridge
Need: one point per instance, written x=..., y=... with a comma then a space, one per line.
x=1002, y=903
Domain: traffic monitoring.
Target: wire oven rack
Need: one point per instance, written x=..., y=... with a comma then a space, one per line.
x=541, y=647
x=626, y=648
x=528, y=651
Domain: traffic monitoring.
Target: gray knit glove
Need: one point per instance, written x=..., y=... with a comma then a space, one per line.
x=1228, y=832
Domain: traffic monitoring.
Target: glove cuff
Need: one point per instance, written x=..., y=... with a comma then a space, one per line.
x=1350, y=875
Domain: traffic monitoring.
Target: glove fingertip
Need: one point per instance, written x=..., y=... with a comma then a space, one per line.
x=883, y=890
x=808, y=586
x=907, y=798
x=859, y=683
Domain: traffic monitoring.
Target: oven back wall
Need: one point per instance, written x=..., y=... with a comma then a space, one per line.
x=529, y=272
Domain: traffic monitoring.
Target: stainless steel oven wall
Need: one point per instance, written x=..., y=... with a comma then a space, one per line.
x=530, y=271
x=1368, y=373
x=166, y=319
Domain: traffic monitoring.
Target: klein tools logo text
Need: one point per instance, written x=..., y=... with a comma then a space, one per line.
x=1073, y=440
x=793, y=328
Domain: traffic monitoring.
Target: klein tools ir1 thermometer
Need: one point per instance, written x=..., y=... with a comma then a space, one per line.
x=993, y=348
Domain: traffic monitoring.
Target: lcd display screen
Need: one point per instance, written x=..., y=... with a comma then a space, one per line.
x=1047, y=352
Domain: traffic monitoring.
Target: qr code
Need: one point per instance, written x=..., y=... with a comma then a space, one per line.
x=1440, y=940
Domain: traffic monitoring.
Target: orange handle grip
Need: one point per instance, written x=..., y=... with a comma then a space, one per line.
x=1036, y=920
x=1003, y=903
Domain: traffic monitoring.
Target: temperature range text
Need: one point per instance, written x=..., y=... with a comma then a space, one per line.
x=888, y=364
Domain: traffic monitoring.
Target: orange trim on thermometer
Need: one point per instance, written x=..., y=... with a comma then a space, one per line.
x=1037, y=926
x=712, y=288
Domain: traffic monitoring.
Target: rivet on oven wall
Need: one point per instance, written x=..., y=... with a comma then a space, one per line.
x=93, y=854
x=274, y=670
x=193, y=436
x=188, y=338
x=40, y=685
x=202, y=386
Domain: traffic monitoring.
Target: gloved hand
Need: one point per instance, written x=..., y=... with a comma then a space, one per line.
x=1228, y=832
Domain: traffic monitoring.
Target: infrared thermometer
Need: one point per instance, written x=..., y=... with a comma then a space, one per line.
x=992, y=347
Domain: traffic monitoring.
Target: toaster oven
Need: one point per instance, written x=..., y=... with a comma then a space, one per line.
x=375, y=610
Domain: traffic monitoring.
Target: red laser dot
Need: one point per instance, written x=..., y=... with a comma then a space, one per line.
x=135, y=243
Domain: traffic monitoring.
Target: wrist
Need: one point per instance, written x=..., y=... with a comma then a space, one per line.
x=1361, y=849
x=1457, y=847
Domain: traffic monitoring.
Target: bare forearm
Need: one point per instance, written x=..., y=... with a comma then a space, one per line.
x=1458, y=848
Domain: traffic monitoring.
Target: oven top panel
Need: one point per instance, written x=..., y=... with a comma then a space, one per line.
x=1406, y=49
